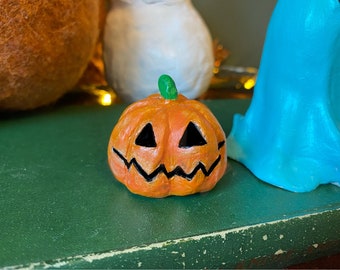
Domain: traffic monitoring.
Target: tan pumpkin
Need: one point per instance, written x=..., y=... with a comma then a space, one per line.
x=45, y=47
x=167, y=145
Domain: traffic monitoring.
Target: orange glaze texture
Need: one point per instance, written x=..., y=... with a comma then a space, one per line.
x=169, y=120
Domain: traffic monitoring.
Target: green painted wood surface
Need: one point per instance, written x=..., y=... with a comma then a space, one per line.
x=61, y=207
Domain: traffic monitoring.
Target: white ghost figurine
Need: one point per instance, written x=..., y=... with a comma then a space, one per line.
x=147, y=38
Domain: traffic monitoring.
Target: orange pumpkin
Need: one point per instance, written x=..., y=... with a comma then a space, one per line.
x=167, y=145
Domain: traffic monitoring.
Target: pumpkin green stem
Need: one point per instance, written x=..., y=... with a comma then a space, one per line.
x=167, y=87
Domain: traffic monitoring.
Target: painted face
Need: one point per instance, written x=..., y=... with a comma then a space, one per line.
x=165, y=147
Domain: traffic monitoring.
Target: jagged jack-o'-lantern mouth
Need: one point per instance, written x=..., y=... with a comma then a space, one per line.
x=169, y=174
x=167, y=145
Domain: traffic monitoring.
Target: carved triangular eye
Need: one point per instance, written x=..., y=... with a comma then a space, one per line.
x=191, y=137
x=146, y=137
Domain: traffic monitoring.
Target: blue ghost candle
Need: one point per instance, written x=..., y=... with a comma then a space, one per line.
x=290, y=135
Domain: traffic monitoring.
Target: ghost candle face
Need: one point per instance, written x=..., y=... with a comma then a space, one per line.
x=167, y=145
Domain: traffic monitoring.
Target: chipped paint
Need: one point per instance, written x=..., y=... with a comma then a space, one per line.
x=279, y=252
x=315, y=245
x=265, y=237
x=161, y=245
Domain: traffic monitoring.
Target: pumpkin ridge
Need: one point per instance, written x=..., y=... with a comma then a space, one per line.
x=162, y=147
x=161, y=168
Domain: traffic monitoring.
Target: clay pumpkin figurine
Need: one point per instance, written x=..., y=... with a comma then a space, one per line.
x=167, y=145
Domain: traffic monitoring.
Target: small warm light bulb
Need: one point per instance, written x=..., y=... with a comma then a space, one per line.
x=105, y=99
x=249, y=84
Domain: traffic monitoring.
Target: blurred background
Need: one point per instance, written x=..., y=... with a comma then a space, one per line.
x=240, y=26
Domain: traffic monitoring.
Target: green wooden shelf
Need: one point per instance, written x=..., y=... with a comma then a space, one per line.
x=61, y=207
